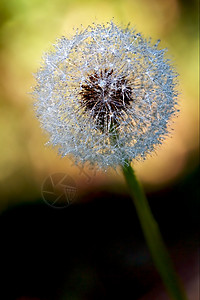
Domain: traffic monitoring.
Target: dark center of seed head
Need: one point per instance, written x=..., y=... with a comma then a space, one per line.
x=105, y=97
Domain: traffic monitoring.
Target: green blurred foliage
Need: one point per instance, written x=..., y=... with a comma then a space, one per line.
x=27, y=29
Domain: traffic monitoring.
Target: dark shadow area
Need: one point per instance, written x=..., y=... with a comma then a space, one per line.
x=95, y=249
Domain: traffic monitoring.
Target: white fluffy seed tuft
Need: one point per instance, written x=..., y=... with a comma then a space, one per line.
x=102, y=77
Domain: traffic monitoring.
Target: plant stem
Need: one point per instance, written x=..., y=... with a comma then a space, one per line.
x=153, y=237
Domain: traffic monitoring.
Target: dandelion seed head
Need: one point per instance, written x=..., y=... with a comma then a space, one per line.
x=101, y=78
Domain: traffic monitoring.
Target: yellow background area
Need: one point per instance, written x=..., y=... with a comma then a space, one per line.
x=28, y=28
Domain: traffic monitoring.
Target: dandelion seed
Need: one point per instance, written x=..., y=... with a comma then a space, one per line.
x=102, y=78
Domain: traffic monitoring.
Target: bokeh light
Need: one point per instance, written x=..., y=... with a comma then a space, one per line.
x=28, y=27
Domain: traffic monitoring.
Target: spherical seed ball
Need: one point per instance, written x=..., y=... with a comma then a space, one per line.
x=105, y=95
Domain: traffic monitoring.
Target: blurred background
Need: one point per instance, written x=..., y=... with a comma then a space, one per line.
x=170, y=176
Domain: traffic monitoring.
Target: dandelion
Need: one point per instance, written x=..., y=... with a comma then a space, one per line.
x=107, y=95
x=106, y=78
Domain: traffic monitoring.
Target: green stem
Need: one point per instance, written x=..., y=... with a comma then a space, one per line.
x=153, y=237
